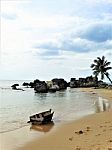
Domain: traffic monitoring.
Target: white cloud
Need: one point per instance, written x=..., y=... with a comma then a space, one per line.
x=37, y=42
x=98, y=32
x=92, y=37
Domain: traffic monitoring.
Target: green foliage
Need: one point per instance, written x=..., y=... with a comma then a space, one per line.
x=101, y=66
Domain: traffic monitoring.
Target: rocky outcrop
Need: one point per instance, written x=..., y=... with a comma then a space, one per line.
x=51, y=87
x=102, y=84
x=57, y=84
x=14, y=86
x=73, y=83
x=40, y=86
x=84, y=82
x=60, y=84
x=25, y=84
x=31, y=84
x=48, y=86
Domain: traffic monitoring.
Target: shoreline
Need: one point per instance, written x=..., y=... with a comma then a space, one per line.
x=95, y=134
x=92, y=132
x=101, y=92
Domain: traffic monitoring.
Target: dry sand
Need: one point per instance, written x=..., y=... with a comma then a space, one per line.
x=93, y=132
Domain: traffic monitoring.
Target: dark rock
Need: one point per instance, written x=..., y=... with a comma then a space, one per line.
x=68, y=84
x=73, y=83
x=60, y=83
x=31, y=84
x=40, y=87
x=14, y=86
x=36, y=81
x=25, y=84
x=84, y=82
x=52, y=89
x=73, y=79
x=81, y=132
x=102, y=84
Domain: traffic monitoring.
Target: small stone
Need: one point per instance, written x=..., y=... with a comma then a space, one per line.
x=78, y=148
x=88, y=129
x=81, y=132
x=71, y=138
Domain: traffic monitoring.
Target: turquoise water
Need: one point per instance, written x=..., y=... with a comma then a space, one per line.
x=68, y=105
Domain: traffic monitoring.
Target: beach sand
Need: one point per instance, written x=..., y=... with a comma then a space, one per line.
x=105, y=93
x=93, y=132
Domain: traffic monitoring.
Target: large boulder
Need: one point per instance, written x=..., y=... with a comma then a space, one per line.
x=14, y=86
x=60, y=84
x=40, y=87
x=51, y=87
x=31, y=84
x=25, y=84
x=73, y=83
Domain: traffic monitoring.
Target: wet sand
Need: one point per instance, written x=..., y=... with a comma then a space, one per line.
x=105, y=93
x=93, y=132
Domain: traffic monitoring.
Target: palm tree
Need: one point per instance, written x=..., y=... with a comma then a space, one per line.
x=101, y=66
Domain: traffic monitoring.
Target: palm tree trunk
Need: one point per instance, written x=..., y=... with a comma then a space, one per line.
x=109, y=78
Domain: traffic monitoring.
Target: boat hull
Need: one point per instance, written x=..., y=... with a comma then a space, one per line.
x=41, y=118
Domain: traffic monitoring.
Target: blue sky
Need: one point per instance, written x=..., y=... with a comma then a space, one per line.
x=46, y=39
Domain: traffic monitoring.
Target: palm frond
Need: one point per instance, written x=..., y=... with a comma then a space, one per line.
x=99, y=59
x=103, y=58
x=92, y=65
x=107, y=68
x=96, y=61
x=107, y=63
x=101, y=66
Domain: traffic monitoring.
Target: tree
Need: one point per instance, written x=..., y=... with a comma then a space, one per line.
x=101, y=66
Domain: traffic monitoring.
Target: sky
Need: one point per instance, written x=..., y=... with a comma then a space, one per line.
x=44, y=39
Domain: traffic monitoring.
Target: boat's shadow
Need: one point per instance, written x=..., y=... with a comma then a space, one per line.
x=42, y=128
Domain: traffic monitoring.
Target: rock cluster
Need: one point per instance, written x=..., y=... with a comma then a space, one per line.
x=84, y=82
x=50, y=86
x=57, y=84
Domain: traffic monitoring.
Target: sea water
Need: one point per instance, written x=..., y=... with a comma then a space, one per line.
x=16, y=105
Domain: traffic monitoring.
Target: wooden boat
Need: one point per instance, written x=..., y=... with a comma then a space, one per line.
x=41, y=118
